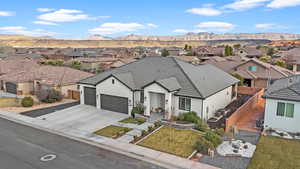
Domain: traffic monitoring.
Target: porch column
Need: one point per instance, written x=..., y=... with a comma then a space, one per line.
x=147, y=103
x=168, y=105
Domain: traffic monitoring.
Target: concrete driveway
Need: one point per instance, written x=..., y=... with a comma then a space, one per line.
x=82, y=119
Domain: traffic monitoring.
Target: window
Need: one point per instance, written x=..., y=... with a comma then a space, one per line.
x=280, y=109
x=252, y=68
x=113, y=81
x=142, y=96
x=285, y=109
x=185, y=103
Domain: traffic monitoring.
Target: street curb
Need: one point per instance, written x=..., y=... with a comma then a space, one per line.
x=96, y=144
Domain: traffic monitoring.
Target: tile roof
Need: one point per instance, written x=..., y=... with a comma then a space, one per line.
x=195, y=81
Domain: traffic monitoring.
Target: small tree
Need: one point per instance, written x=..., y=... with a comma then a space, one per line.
x=186, y=47
x=228, y=51
x=265, y=59
x=241, y=83
x=76, y=64
x=280, y=62
x=165, y=53
x=237, y=46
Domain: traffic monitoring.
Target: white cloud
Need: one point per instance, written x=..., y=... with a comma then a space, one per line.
x=6, y=13
x=44, y=23
x=24, y=31
x=283, y=3
x=114, y=28
x=214, y=26
x=181, y=31
x=240, y=5
x=151, y=25
x=269, y=26
x=64, y=15
x=45, y=9
x=205, y=11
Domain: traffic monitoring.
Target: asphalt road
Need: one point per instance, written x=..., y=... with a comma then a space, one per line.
x=21, y=147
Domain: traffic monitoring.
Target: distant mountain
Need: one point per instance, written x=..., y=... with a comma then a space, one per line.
x=212, y=36
x=97, y=37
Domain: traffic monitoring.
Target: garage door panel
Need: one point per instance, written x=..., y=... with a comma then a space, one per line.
x=11, y=87
x=114, y=103
x=90, y=96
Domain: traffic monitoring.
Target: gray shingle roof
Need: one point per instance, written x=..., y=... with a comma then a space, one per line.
x=194, y=81
x=170, y=83
x=286, y=89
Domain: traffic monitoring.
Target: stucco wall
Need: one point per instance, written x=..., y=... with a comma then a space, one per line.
x=26, y=88
x=64, y=89
x=217, y=101
x=116, y=89
x=279, y=122
x=196, y=106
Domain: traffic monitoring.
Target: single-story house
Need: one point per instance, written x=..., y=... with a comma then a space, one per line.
x=42, y=77
x=165, y=83
x=283, y=105
x=292, y=59
x=256, y=74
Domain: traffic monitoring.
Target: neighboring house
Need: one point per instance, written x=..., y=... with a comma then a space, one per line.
x=292, y=59
x=283, y=105
x=95, y=64
x=256, y=74
x=208, y=51
x=174, y=51
x=249, y=51
x=166, y=83
x=32, y=80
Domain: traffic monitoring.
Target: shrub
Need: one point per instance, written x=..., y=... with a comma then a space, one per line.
x=180, y=117
x=202, y=145
x=150, y=128
x=220, y=131
x=189, y=117
x=49, y=96
x=157, y=124
x=135, y=138
x=144, y=132
x=126, y=130
x=202, y=126
x=139, y=109
x=213, y=138
x=27, y=102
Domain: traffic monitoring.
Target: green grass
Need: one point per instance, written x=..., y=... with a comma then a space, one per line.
x=112, y=131
x=173, y=141
x=276, y=153
x=10, y=102
x=138, y=120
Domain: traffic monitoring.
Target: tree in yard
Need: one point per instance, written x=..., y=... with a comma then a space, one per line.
x=241, y=83
x=265, y=59
x=228, y=51
x=76, y=64
x=186, y=47
x=165, y=53
x=237, y=46
x=280, y=62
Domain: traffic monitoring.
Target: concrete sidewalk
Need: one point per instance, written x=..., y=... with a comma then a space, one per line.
x=146, y=154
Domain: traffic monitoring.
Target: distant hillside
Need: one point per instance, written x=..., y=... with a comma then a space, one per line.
x=211, y=36
x=285, y=42
x=61, y=43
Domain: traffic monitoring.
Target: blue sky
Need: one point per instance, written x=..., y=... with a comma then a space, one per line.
x=81, y=18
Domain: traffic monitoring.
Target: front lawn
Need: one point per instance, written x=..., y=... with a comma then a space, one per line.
x=173, y=141
x=112, y=131
x=10, y=102
x=276, y=153
x=138, y=120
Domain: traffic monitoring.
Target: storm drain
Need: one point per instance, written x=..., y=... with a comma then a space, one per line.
x=48, y=157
